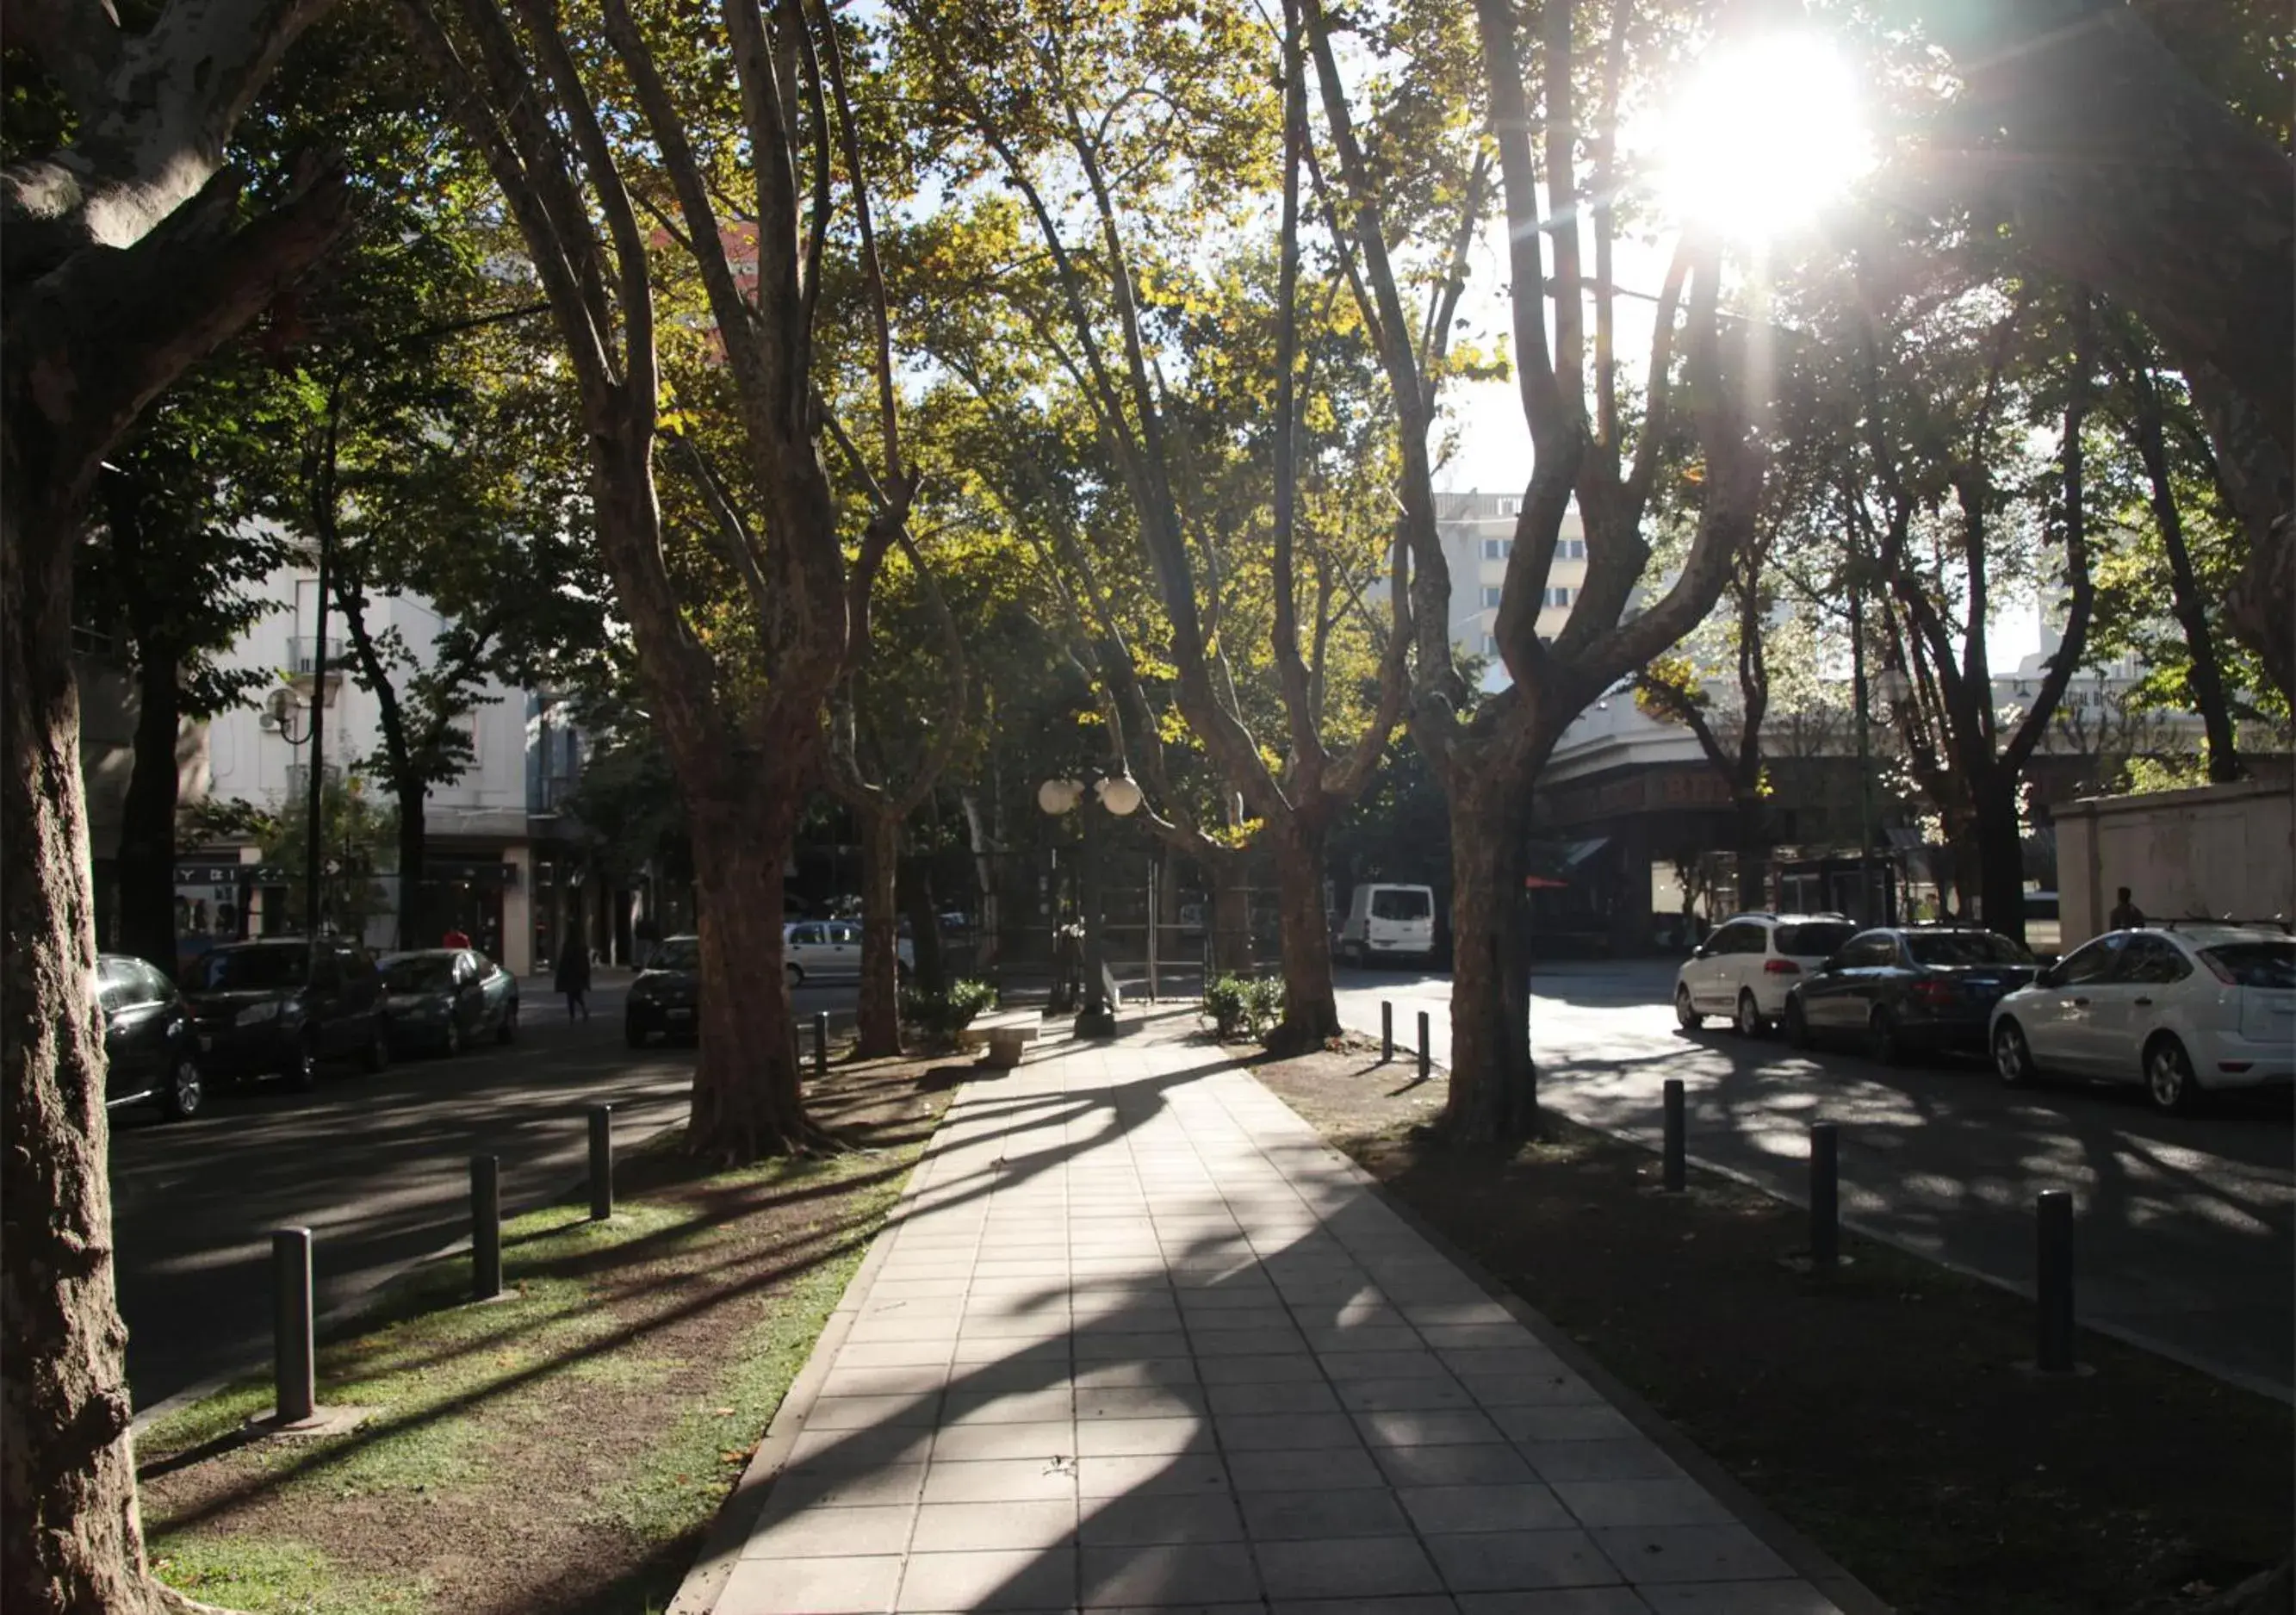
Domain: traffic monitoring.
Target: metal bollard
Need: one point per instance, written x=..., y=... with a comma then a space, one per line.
x=294, y=1373
x=1386, y=1032
x=1675, y=1155
x=602, y=1163
x=486, y=1228
x=1426, y=1054
x=821, y=1043
x=1824, y=1196
x=2053, y=1212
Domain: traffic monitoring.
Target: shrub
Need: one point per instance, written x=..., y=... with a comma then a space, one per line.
x=1243, y=1007
x=941, y=1016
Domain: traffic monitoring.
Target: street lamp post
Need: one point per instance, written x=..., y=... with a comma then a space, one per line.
x=1118, y=795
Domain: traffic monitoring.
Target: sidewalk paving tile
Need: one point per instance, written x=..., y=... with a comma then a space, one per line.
x=1138, y=1340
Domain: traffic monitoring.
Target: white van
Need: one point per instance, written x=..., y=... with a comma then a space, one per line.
x=1387, y=923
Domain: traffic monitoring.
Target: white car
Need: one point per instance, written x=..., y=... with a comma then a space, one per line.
x=2182, y=1009
x=1750, y=963
x=830, y=950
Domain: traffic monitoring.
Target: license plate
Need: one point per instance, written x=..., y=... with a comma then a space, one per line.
x=680, y=1014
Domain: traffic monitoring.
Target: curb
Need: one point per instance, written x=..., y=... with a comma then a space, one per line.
x=1807, y=1560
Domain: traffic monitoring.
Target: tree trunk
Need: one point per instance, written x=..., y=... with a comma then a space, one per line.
x=1753, y=854
x=413, y=931
x=71, y=1538
x=930, y=974
x=987, y=920
x=880, y=1009
x=147, y=816
x=1231, y=916
x=747, y=1103
x=2000, y=853
x=1311, y=1015
x=1493, y=1085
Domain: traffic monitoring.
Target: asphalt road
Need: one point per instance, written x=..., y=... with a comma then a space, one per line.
x=377, y=1168
x=2186, y=1234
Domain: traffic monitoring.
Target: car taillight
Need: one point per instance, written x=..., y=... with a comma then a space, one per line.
x=1933, y=991
x=1781, y=967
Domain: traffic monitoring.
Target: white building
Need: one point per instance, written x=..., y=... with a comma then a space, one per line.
x=477, y=861
x=1478, y=534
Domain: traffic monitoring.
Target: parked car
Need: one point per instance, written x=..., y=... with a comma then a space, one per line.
x=1388, y=922
x=1745, y=969
x=664, y=998
x=1922, y=987
x=2185, y=1010
x=830, y=950
x=443, y=998
x=282, y=1007
x=150, y=1046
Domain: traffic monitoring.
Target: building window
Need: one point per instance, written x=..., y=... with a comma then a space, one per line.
x=1491, y=596
x=1491, y=644
x=1559, y=596
x=1497, y=549
x=1508, y=507
x=1571, y=549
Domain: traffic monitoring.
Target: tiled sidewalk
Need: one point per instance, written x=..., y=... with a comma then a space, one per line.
x=1139, y=1339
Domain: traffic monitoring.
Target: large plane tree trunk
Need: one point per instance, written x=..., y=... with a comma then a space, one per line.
x=1494, y=1093
x=880, y=1008
x=2000, y=852
x=147, y=816
x=414, y=929
x=1231, y=916
x=1311, y=1013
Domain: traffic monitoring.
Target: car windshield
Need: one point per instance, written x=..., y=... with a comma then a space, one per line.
x=1815, y=939
x=1398, y=904
x=250, y=970
x=420, y=973
x=1950, y=947
x=2256, y=963
x=684, y=952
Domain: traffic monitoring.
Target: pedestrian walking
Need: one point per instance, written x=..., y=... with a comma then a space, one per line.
x=574, y=975
x=2126, y=914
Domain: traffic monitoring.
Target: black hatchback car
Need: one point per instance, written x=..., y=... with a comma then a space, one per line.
x=151, y=1047
x=664, y=999
x=282, y=1007
x=1925, y=986
x=445, y=998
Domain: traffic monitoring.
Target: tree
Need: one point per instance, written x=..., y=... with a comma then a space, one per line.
x=128, y=255
x=1489, y=755
x=744, y=741
x=2092, y=140
x=1124, y=298
x=174, y=559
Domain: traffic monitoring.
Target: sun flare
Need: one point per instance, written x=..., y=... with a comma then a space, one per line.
x=1766, y=133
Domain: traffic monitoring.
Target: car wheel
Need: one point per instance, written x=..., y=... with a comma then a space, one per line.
x=793, y=975
x=507, y=1032
x=378, y=1047
x=302, y=1072
x=453, y=1044
x=1686, y=1013
x=184, y=1095
x=2013, y=1061
x=1749, y=1020
x=1797, y=1024
x=2168, y=1080
x=633, y=1035
x=1881, y=1040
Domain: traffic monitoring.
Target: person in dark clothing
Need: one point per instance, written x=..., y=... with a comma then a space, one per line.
x=2126, y=914
x=574, y=976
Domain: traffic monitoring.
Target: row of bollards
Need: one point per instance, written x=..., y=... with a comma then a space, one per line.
x=2053, y=1210
x=294, y=1357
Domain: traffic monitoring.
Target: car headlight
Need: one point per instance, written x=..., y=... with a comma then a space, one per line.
x=642, y=991
x=255, y=1014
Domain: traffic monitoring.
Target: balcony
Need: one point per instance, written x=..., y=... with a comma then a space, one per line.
x=303, y=655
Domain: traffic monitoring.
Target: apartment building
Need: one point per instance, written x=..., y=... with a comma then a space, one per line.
x=1478, y=534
